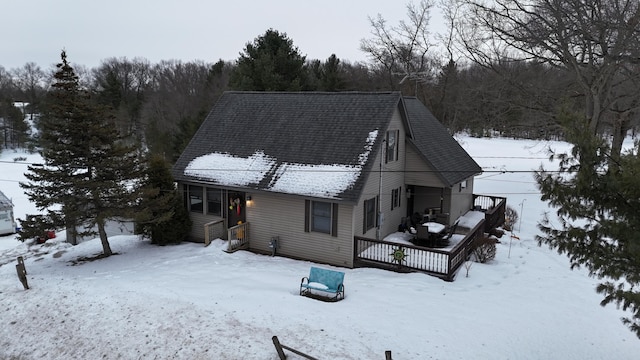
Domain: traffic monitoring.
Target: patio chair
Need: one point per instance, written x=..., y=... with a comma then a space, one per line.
x=421, y=237
x=446, y=238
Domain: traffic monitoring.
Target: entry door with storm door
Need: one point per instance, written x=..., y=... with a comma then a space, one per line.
x=236, y=208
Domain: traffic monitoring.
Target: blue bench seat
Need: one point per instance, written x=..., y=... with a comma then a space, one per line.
x=323, y=284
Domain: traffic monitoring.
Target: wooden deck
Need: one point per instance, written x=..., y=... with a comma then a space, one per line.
x=443, y=263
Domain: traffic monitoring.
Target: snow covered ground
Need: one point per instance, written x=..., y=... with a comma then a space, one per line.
x=194, y=302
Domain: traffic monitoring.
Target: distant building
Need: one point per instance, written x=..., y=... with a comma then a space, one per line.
x=7, y=221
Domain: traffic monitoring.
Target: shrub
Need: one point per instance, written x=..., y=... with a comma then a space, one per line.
x=510, y=218
x=484, y=249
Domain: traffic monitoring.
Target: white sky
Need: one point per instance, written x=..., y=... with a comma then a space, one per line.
x=36, y=30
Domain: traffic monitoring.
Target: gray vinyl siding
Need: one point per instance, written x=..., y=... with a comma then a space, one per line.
x=461, y=200
x=393, y=177
x=418, y=172
x=282, y=215
x=197, y=228
x=198, y=219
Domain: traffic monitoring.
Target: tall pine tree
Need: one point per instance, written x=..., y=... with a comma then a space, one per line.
x=167, y=220
x=270, y=63
x=597, y=206
x=90, y=173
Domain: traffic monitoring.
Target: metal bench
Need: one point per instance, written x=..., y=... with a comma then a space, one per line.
x=323, y=284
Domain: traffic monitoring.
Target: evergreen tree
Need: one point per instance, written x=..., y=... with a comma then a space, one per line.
x=168, y=220
x=333, y=77
x=597, y=206
x=270, y=63
x=88, y=170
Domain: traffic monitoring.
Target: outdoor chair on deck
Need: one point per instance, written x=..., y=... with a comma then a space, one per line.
x=421, y=237
x=446, y=238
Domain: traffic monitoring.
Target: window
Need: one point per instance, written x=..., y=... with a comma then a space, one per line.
x=321, y=217
x=395, y=197
x=463, y=185
x=214, y=202
x=370, y=207
x=195, y=198
x=392, y=145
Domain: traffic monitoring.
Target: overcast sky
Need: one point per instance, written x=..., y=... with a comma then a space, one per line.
x=208, y=30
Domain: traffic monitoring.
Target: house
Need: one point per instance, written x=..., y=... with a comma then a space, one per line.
x=7, y=220
x=315, y=170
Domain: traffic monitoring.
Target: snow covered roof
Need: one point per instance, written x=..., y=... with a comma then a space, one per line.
x=307, y=143
x=317, y=180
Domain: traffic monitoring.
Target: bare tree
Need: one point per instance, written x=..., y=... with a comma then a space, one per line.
x=121, y=84
x=6, y=83
x=30, y=81
x=594, y=41
x=402, y=51
x=180, y=96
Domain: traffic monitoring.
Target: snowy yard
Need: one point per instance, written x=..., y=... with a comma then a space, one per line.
x=194, y=302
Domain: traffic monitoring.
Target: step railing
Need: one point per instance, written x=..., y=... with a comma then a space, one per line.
x=238, y=237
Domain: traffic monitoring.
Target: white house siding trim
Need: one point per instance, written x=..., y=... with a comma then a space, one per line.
x=283, y=216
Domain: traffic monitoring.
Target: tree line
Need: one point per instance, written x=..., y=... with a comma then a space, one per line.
x=161, y=105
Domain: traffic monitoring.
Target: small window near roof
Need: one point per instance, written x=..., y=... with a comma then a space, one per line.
x=392, y=145
x=463, y=185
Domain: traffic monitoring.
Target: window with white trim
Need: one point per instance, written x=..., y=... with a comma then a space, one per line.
x=463, y=185
x=392, y=145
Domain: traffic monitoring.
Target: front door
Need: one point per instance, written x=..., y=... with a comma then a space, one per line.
x=236, y=205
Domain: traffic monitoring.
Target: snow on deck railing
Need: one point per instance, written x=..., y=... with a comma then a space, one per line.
x=494, y=208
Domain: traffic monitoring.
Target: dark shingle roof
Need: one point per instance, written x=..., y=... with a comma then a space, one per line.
x=439, y=149
x=259, y=140
x=294, y=128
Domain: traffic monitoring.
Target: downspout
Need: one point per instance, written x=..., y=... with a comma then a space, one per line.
x=379, y=218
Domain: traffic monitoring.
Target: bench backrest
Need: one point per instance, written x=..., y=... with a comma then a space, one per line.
x=327, y=277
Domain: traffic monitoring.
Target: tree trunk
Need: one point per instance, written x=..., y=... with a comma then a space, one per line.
x=106, y=248
x=620, y=127
x=72, y=230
